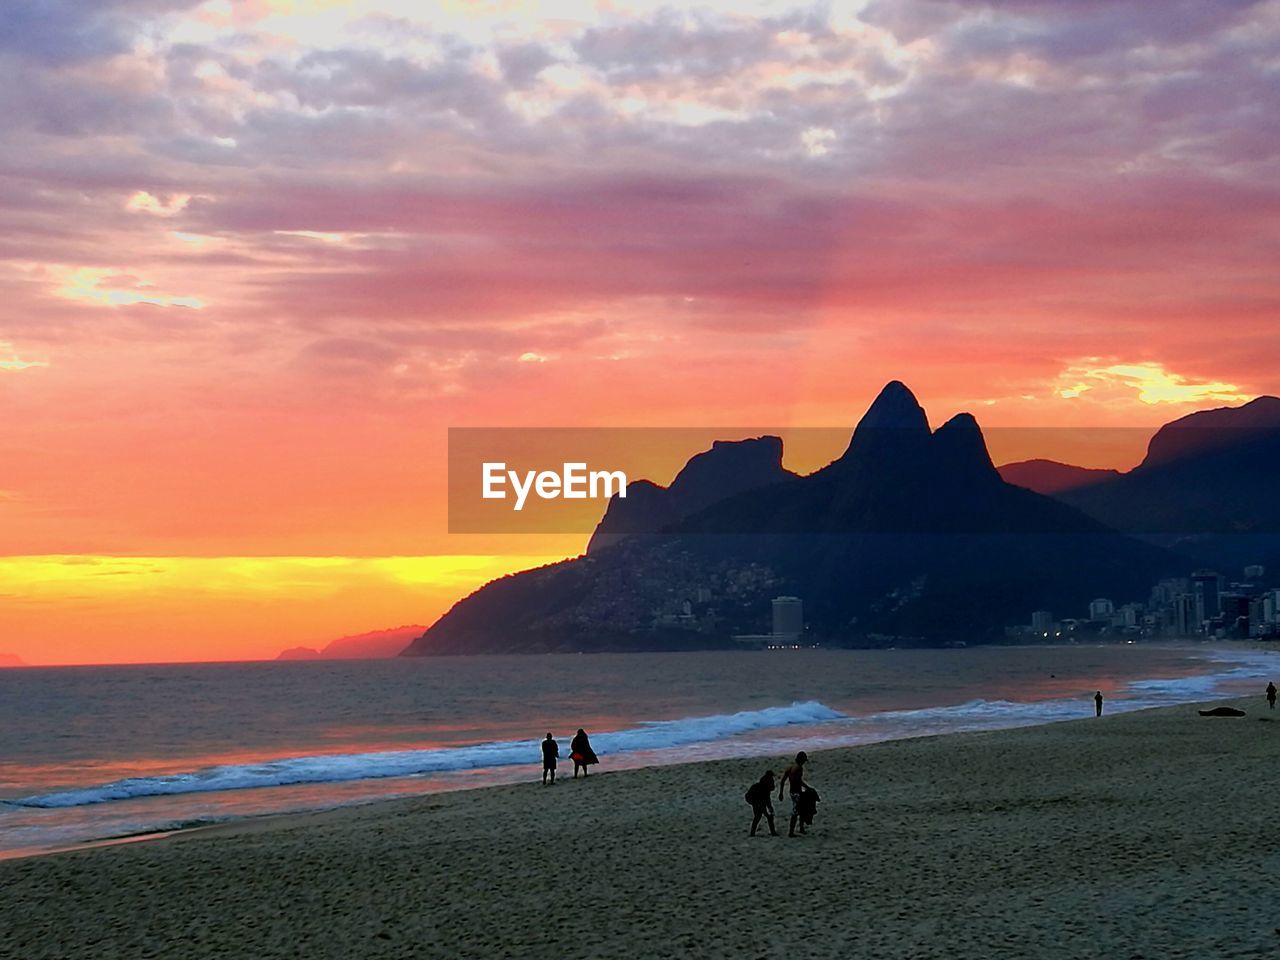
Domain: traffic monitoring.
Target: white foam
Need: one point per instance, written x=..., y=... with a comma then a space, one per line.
x=1250, y=665
x=976, y=715
x=338, y=768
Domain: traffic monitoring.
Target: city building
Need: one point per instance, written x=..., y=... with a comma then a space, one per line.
x=1207, y=587
x=1129, y=616
x=1167, y=591
x=1185, y=621
x=1201, y=605
x=1042, y=622
x=788, y=618
x=1101, y=609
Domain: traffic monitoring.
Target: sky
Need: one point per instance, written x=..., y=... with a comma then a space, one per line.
x=257, y=257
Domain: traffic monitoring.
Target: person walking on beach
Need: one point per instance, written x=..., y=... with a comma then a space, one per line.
x=581, y=753
x=760, y=796
x=1271, y=695
x=1097, y=704
x=793, y=781
x=550, y=753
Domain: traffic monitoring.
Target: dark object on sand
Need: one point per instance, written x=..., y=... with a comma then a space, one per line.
x=808, y=806
x=1222, y=712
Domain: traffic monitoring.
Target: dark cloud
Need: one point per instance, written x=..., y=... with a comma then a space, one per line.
x=1068, y=32
x=363, y=78
x=59, y=32
x=910, y=21
x=689, y=44
x=73, y=106
x=521, y=63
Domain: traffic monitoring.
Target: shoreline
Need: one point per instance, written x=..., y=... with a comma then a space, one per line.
x=1144, y=832
x=285, y=819
x=177, y=829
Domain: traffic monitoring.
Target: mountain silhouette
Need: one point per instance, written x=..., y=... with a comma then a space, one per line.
x=910, y=536
x=1206, y=486
x=1209, y=431
x=373, y=645
x=1051, y=477
x=729, y=467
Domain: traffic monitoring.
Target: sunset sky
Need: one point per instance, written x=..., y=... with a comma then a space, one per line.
x=257, y=257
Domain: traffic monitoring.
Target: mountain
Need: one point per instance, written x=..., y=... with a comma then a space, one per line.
x=374, y=645
x=1051, y=477
x=299, y=653
x=1212, y=431
x=1206, y=486
x=11, y=660
x=729, y=467
x=910, y=536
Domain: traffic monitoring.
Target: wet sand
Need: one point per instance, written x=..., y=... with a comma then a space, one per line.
x=1150, y=835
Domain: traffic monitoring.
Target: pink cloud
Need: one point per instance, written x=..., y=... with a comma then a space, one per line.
x=378, y=232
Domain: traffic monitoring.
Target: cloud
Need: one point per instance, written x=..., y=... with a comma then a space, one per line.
x=687, y=44
x=389, y=217
x=9, y=359
x=1068, y=32
x=350, y=356
x=102, y=286
x=522, y=62
x=1151, y=383
x=62, y=32
x=144, y=202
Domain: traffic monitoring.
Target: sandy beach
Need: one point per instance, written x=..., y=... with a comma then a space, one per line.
x=1149, y=834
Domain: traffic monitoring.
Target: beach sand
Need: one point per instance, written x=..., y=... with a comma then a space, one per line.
x=1149, y=834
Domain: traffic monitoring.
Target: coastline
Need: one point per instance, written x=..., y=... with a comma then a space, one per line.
x=1144, y=832
x=930, y=706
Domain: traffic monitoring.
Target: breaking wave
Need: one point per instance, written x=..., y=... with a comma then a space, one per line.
x=339, y=768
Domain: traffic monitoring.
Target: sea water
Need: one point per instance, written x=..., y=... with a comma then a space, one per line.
x=92, y=753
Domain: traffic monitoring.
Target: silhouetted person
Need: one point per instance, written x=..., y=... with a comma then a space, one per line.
x=1271, y=695
x=760, y=796
x=1097, y=704
x=581, y=753
x=793, y=781
x=550, y=753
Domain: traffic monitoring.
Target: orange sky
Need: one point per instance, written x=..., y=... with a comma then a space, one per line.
x=259, y=257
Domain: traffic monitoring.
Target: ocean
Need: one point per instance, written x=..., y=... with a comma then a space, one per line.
x=90, y=754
